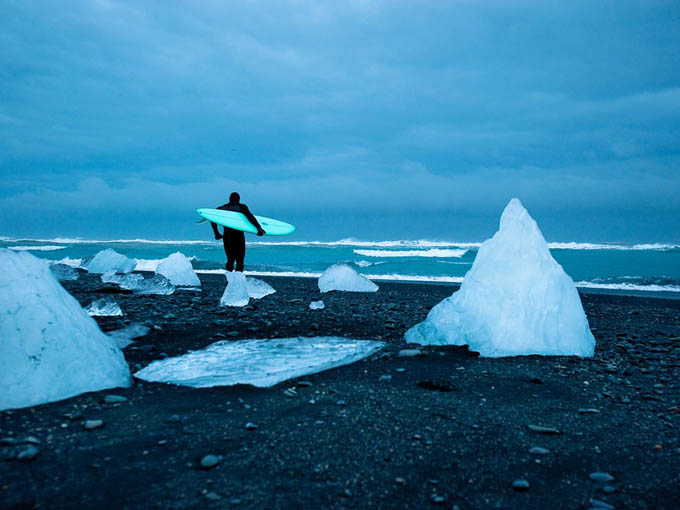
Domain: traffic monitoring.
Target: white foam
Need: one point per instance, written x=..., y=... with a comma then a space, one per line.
x=37, y=248
x=260, y=363
x=628, y=287
x=68, y=261
x=432, y=252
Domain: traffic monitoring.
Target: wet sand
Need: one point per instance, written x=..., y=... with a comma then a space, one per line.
x=445, y=429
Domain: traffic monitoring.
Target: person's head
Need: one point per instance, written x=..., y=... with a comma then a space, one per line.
x=234, y=198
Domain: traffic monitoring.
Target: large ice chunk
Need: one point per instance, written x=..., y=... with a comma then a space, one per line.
x=63, y=272
x=515, y=300
x=103, y=308
x=260, y=363
x=257, y=289
x=236, y=293
x=50, y=349
x=178, y=269
x=343, y=277
x=109, y=260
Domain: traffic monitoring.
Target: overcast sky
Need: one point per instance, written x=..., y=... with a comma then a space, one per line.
x=370, y=119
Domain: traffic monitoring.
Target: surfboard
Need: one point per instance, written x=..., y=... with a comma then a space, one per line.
x=238, y=221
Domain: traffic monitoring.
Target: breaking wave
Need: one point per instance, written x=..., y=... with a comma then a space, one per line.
x=37, y=248
x=432, y=252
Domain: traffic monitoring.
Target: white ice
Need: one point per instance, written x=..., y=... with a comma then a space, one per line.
x=158, y=284
x=104, y=307
x=128, y=281
x=50, y=349
x=259, y=363
x=317, y=305
x=236, y=293
x=178, y=269
x=64, y=272
x=125, y=336
x=343, y=277
x=515, y=300
x=257, y=289
x=109, y=260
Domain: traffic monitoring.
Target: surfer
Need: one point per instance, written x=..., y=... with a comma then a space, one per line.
x=235, y=240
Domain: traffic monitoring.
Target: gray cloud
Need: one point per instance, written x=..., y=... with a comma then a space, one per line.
x=391, y=110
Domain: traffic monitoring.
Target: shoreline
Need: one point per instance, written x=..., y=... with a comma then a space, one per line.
x=444, y=427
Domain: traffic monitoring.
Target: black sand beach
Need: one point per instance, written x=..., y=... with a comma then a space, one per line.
x=444, y=429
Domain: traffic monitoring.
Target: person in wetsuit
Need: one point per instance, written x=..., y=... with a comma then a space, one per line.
x=235, y=240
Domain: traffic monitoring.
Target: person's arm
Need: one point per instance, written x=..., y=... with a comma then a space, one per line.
x=216, y=231
x=252, y=219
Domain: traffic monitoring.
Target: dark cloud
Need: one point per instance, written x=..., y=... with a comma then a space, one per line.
x=410, y=119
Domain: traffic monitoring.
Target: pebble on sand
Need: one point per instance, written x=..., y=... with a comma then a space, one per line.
x=520, y=485
x=537, y=450
x=114, y=399
x=544, y=430
x=601, y=477
x=28, y=453
x=93, y=424
x=210, y=461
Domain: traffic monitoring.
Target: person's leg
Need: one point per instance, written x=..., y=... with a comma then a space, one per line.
x=229, y=252
x=240, y=252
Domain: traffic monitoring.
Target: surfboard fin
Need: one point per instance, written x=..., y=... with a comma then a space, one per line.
x=200, y=221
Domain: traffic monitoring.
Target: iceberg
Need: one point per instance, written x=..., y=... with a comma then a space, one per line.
x=125, y=336
x=236, y=293
x=343, y=277
x=178, y=269
x=109, y=260
x=260, y=362
x=317, y=305
x=64, y=272
x=515, y=300
x=105, y=307
x=51, y=348
x=257, y=289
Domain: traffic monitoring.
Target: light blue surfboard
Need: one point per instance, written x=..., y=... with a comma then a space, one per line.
x=238, y=221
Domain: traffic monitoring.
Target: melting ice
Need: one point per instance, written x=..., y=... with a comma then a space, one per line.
x=51, y=348
x=104, y=307
x=515, y=300
x=259, y=363
x=343, y=277
x=236, y=293
x=109, y=260
x=178, y=269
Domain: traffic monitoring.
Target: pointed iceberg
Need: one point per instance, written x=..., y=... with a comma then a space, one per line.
x=515, y=300
x=343, y=277
x=236, y=293
x=261, y=363
x=109, y=260
x=50, y=347
x=178, y=269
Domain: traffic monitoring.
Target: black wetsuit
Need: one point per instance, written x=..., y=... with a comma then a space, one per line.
x=235, y=240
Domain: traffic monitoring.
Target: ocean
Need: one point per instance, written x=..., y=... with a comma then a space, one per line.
x=640, y=269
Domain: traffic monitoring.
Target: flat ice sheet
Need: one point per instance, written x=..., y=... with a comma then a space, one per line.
x=260, y=363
